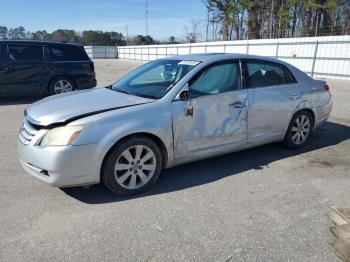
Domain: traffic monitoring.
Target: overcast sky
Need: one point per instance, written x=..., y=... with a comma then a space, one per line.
x=166, y=17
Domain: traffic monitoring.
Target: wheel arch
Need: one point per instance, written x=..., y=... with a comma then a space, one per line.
x=312, y=113
x=150, y=136
x=296, y=112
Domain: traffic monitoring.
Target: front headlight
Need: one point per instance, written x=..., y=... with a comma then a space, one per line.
x=61, y=136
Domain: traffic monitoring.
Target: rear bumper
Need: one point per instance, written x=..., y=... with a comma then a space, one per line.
x=61, y=166
x=322, y=113
x=86, y=83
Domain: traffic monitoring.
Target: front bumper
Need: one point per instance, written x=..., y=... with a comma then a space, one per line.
x=60, y=166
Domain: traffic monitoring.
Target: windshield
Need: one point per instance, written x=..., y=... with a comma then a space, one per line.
x=154, y=79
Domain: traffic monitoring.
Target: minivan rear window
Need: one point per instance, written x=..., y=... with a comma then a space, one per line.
x=68, y=53
x=25, y=52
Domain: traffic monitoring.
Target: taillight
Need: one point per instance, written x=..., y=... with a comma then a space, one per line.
x=327, y=88
x=92, y=67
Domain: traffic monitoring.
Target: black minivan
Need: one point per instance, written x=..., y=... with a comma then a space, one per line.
x=39, y=68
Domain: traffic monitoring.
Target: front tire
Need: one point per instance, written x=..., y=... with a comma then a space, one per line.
x=132, y=166
x=299, y=130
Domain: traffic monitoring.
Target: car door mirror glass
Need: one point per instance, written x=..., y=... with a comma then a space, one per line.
x=184, y=95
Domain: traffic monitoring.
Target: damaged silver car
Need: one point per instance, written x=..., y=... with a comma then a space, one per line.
x=168, y=112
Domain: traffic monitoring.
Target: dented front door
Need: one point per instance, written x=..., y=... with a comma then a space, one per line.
x=209, y=124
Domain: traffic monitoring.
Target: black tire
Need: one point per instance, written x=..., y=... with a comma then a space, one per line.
x=288, y=141
x=108, y=174
x=57, y=79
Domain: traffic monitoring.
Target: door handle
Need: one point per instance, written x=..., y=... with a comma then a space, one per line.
x=237, y=105
x=189, y=110
x=293, y=97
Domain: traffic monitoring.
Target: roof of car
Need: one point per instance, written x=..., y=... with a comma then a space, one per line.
x=36, y=42
x=209, y=57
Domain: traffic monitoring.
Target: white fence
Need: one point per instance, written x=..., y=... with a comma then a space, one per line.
x=98, y=52
x=318, y=56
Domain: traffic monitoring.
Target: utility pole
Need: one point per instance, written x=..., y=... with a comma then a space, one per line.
x=271, y=18
x=207, y=27
x=127, y=34
x=146, y=17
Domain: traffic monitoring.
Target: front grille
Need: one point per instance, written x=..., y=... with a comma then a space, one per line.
x=27, y=132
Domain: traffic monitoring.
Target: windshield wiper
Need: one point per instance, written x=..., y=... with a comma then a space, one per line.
x=148, y=96
x=124, y=92
x=135, y=94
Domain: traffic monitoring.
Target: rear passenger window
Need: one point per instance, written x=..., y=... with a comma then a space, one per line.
x=25, y=53
x=288, y=77
x=261, y=74
x=68, y=53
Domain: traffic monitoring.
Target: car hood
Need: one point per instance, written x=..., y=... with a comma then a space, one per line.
x=64, y=108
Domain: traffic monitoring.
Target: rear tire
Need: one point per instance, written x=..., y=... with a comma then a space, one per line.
x=299, y=130
x=61, y=84
x=132, y=166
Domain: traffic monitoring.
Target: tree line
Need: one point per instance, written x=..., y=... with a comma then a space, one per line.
x=225, y=20
x=252, y=19
x=90, y=37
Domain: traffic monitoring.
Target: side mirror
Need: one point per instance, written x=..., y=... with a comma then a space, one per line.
x=184, y=95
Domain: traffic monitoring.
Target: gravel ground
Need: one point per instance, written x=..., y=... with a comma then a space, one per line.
x=262, y=204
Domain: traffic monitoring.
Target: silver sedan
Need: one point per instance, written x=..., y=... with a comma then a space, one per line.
x=168, y=112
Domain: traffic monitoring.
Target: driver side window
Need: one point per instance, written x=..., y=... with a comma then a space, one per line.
x=216, y=79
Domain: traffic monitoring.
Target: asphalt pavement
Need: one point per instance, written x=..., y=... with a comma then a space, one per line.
x=261, y=204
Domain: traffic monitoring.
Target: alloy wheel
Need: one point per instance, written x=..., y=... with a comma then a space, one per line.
x=135, y=166
x=301, y=129
x=63, y=86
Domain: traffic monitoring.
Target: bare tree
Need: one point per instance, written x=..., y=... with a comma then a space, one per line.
x=207, y=22
x=192, y=33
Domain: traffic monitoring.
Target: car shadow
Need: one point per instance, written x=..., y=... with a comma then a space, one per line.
x=213, y=169
x=18, y=100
